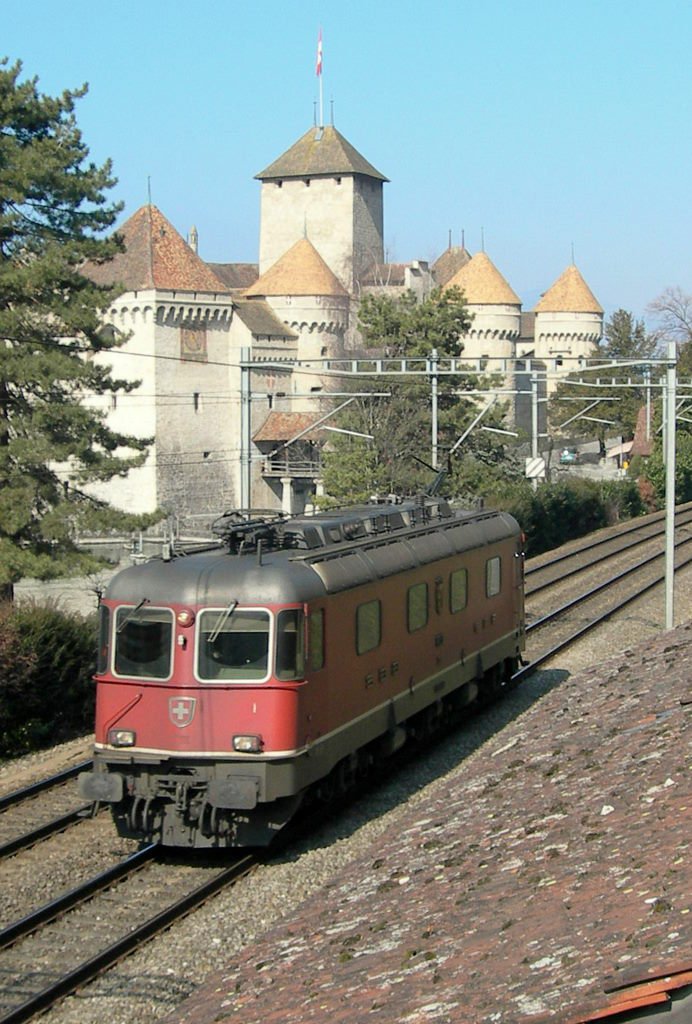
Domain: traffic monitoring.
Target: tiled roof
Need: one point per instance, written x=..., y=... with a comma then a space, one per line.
x=483, y=284
x=321, y=151
x=236, y=276
x=260, y=320
x=380, y=274
x=445, y=266
x=300, y=271
x=155, y=256
x=282, y=426
x=569, y=294
x=546, y=880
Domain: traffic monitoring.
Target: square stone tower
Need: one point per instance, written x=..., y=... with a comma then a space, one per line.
x=322, y=189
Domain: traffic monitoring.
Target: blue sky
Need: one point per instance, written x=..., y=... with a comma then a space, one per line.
x=540, y=127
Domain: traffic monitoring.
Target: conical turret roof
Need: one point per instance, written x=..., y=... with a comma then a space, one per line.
x=483, y=284
x=320, y=151
x=445, y=266
x=155, y=256
x=300, y=271
x=569, y=294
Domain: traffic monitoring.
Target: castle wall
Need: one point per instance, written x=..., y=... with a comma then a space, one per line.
x=341, y=216
x=131, y=412
x=493, y=334
x=187, y=399
x=321, y=324
x=368, y=227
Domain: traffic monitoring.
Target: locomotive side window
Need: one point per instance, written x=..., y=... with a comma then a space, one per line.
x=368, y=626
x=233, y=646
x=493, y=576
x=104, y=634
x=458, y=590
x=290, y=654
x=143, y=642
x=417, y=607
x=316, y=639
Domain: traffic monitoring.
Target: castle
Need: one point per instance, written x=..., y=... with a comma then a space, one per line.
x=229, y=435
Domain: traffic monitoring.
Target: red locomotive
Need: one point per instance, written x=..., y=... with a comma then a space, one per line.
x=234, y=681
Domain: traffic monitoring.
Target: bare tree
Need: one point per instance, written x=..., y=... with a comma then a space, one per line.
x=673, y=312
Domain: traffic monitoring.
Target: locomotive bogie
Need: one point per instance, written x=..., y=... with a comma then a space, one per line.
x=280, y=674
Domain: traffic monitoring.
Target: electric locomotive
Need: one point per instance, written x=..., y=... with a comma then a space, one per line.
x=234, y=682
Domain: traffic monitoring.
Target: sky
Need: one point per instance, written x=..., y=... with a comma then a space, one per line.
x=538, y=130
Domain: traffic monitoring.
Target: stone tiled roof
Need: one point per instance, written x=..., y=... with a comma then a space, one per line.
x=300, y=271
x=380, y=274
x=261, y=320
x=569, y=294
x=236, y=276
x=282, y=426
x=446, y=266
x=321, y=151
x=483, y=284
x=547, y=880
x=155, y=256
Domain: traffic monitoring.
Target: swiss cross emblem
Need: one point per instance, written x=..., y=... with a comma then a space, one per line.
x=181, y=710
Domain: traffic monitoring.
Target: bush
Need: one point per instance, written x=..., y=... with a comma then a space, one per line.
x=655, y=471
x=46, y=665
x=556, y=513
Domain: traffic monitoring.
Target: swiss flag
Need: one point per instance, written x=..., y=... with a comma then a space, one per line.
x=318, y=65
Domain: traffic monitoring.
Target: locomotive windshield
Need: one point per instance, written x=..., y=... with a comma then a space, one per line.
x=234, y=646
x=144, y=642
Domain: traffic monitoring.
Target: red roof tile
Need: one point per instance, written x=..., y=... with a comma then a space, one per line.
x=155, y=256
x=547, y=879
x=282, y=426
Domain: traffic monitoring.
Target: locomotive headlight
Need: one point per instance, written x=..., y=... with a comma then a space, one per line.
x=185, y=617
x=247, y=744
x=121, y=737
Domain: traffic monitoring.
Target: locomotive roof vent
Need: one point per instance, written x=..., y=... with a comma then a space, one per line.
x=243, y=531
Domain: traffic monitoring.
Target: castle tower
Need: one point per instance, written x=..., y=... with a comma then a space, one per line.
x=568, y=321
x=496, y=310
x=323, y=189
x=176, y=317
x=304, y=293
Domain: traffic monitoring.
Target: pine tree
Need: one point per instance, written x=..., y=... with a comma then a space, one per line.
x=627, y=338
x=54, y=212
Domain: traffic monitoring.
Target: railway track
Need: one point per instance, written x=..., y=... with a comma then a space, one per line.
x=37, y=985
x=40, y=810
x=545, y=571
x=113, y=913
x=615, y=589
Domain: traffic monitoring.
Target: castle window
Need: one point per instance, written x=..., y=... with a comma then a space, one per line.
x=195, y=401
x=338, y=181
x=307, y=183
x=279, y=184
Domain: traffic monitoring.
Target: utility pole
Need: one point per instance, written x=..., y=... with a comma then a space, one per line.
x=670, y=483
x=434, y=359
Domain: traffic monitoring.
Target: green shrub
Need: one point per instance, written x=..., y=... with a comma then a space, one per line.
x=46, y=665
x=655, y=470
x=553, y=514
